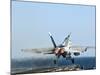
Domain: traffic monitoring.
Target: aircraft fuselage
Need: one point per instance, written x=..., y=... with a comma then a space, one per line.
x=61, y=51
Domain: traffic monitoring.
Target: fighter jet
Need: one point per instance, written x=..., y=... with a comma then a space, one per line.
x=65, y=49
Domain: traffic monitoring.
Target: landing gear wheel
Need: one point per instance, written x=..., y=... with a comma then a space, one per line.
x=72, y=60
x=55, y=61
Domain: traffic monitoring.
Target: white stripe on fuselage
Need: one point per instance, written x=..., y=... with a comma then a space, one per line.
x=67, y=49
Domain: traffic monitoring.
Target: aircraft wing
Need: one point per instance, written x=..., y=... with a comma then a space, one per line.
x=81, y=48
x=39, y=50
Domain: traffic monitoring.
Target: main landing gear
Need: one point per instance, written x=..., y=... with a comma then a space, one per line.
x=66, y=56
x=55, y=62
x=72, y=59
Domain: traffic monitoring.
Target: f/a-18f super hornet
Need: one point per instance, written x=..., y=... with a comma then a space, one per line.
x=65, y=49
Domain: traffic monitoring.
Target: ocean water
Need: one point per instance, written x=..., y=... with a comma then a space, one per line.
x=85, y=63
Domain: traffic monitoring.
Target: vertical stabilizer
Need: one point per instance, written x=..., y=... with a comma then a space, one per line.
x=67, y=40
x=54, y=44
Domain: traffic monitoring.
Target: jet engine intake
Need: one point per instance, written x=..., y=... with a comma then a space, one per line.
x=76, y=53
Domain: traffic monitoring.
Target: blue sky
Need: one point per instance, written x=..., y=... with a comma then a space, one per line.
x=32, y=21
